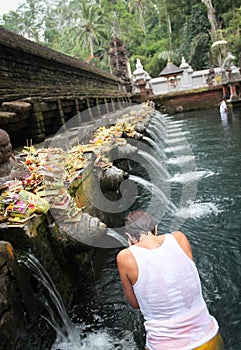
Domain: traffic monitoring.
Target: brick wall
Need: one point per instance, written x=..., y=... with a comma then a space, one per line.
x=189, y=100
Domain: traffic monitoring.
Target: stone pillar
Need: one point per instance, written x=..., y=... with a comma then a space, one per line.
x=187, y=71
x=120, y=103
x=61, y=112
x=113, y=104
x=184, y=65
x=38, y=130
x=233, y=92
x=98, y=106
x=106, y=105
x=225, y=90
x=140, y=78
x=89, y=108
x=77, y=106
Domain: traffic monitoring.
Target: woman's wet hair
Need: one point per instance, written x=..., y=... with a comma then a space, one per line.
x=138, y=222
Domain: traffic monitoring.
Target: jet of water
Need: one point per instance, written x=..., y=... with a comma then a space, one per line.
x=161, y=170
x=155, y=146
x=166, y=203
x=118, y=236
x=65, y=329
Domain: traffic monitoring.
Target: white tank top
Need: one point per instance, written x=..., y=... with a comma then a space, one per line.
x=168, y=290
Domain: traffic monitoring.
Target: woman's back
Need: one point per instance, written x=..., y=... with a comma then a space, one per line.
x=169, y=294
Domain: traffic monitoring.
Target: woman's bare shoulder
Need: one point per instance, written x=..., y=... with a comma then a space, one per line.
x=123, y=255
x=183, y=242
x=179, y=235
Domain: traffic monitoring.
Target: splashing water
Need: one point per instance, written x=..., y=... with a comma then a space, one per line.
x=197, y=210
x=191, y=176
x=162, y=171
x=155, y=190
x=156, y=147
x=162, y=118
x=92, y=341
x=65, y=329
x=68, y=335
x=160, y=133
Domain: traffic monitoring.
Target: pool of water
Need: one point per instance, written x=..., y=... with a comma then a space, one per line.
x=203, y=160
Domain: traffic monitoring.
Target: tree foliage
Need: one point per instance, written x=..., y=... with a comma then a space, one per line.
x=150, y=29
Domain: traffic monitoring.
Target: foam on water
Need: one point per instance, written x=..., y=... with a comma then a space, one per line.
x=99, y=340
x=197, y=210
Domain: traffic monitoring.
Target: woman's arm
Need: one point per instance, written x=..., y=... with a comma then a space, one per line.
x=125, y=267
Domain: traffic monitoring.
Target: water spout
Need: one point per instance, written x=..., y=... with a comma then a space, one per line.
x=160, y=134
x=166, y=203
x=176, y=149
x=155, y=137
x=157, y=123
x=68, y=335
x=118, y=236
x=177, y=133
x=152, y=134
x=175, y=123
x=191, y=176
x=162, y=172
x=155, y=146
x=161, y=118
x=180, y=160
x=176, y=140
x=66, y=330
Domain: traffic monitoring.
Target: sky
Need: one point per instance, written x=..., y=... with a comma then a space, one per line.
x=9, y=5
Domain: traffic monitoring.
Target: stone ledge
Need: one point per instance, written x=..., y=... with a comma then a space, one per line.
x=16, y=106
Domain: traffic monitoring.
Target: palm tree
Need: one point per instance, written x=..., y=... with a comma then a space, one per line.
x=139, y=6
x=89, y=28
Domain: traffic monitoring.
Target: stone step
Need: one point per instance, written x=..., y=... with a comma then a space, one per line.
x=8, y=118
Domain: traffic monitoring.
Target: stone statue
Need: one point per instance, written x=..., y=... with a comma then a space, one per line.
x=10, y=168
x=232, y=71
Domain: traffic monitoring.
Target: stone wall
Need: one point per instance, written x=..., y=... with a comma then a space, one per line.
x=188, y=100
x=22, y=294
x=40, y=89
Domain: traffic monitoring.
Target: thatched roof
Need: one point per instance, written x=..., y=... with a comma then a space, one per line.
x=170, y=70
